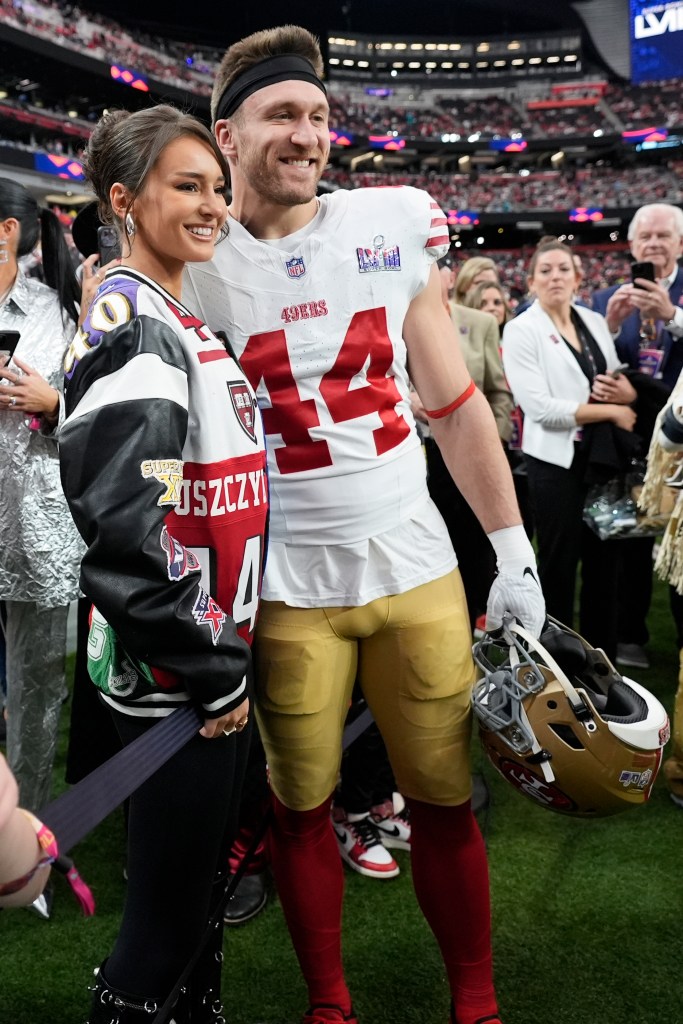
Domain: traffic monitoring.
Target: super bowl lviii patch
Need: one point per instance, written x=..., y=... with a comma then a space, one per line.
x=378, y=257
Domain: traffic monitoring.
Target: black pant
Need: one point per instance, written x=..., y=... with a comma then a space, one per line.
x=180, y=828
x=366, y=775
x=635, y=589
x=558, y=497
x=476, y=557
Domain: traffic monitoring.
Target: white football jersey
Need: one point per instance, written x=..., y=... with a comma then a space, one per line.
x=316, y=320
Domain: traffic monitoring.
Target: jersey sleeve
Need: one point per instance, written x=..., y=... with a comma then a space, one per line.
x=127, y=410
x=438, y=240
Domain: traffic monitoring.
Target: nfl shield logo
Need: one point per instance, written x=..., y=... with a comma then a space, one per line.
x=244, y=406
x=295, y=266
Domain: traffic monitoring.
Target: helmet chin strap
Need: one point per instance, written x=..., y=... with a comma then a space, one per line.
x=579, y=706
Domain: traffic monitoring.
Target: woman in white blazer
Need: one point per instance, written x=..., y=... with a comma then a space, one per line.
x=562, y=367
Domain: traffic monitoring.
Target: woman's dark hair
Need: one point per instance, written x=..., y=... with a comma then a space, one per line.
x=37, y=224
x=124, y=148
x=548, y=244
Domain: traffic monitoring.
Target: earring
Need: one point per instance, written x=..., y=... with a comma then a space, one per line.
x=4, y=252
x=130, y=225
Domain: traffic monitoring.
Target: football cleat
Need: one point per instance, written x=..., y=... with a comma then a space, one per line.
x=361, y=847
x=560, y=723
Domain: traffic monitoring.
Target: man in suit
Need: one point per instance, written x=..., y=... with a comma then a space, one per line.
x=646, y=321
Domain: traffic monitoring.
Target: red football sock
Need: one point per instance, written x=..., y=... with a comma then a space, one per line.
x=450, y=876
x=310, y=881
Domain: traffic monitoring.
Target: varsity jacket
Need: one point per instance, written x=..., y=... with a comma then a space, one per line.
x=163, y=466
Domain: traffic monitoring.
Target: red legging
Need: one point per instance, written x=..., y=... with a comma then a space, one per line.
x=451, y=882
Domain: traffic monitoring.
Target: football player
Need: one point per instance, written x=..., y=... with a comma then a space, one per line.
x=330, y=303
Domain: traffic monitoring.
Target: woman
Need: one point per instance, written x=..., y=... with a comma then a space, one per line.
x=474, y=271
x=40, y=551
x=561, y=364
x=489, y=297
x=163, y=466
x=26, y=847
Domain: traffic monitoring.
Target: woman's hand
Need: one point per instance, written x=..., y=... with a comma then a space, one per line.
x=93, y=276
x=616, y=390
x=28, y=392
x=623, y=416
x=234, y=722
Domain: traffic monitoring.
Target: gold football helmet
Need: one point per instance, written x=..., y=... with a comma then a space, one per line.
x=560, y=723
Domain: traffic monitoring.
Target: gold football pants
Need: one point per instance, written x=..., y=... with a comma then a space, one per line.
x=412, y=655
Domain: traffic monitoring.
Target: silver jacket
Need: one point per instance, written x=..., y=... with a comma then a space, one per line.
x=40, y=549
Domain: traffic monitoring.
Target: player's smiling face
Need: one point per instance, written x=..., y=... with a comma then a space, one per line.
x=282, y=142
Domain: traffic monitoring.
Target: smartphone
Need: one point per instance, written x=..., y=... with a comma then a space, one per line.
x=8, y=342
x=619, y=370
x=646, y=270
x=108, y=244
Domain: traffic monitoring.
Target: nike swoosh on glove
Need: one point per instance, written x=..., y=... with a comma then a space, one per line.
x=519, y=596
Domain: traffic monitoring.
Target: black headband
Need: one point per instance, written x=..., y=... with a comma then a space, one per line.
x=282, y=68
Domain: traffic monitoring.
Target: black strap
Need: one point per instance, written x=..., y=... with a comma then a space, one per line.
x=76, y=813
x=351, y=733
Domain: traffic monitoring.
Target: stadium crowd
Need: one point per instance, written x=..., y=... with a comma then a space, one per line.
x=496, y=192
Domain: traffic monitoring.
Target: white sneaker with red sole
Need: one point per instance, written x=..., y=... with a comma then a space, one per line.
x=361, y=846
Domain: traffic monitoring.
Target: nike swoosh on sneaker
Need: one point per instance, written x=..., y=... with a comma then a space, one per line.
x=394, y=830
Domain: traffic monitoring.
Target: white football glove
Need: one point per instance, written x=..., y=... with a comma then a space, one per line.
x=515, y=590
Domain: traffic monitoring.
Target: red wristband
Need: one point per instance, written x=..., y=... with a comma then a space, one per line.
x=437, y=414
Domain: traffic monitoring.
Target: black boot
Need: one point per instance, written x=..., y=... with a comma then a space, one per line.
x=111, y=1006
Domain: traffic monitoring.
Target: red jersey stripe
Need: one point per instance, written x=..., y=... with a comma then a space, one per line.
x=212, y=355
x=437, y=240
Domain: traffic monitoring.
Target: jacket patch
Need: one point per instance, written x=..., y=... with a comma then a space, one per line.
x=207, y=613
x=245, y=407
x=169, y=473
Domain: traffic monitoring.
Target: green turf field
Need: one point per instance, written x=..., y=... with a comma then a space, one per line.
x=588, y=921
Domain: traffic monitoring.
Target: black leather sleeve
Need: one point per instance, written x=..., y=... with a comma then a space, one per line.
x=120, y=417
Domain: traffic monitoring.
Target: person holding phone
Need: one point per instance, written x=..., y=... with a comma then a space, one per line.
x=645, y=318
x=40, y=551
x=645, y=315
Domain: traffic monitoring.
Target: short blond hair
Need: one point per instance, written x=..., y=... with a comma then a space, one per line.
x=467, y=273
x=271, y=42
